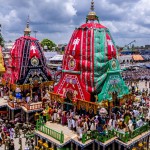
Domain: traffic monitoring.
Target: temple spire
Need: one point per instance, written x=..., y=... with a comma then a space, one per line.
x=92, y=14
x=27, y=30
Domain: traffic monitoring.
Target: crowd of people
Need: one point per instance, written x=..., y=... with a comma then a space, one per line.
x=135, y=88
x=125, y=118
x=9, y=132
x=137, y=75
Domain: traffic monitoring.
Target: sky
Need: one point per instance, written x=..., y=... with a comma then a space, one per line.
x=127, y=20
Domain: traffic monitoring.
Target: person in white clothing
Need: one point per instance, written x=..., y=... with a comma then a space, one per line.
x=140, y=123
x=110, y=127
x=11, y=132
x=130, y=125
x=73, y=124
x=136, y=113
x=28, y=98
x=80, y=130
x=55, y=115
x=93, y=126
x=114, y=123
x=85, y=127
x=36, y=98
x=47, y=95
x=69, y=122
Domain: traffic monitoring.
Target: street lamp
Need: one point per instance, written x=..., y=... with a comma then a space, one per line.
x=35, y=32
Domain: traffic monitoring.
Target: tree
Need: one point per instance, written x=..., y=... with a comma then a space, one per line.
x=48, y=44
x=1, y=40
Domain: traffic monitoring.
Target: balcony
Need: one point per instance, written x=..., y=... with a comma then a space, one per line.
x=15, y=104
x=33, y=106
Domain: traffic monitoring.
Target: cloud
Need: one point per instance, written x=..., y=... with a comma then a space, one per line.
x=57, y=19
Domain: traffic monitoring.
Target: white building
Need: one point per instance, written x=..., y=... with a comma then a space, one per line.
x=49, y=55
x=56, y=61
x=8, y=45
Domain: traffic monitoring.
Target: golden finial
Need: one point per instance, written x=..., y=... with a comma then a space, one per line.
x=92, y=15
x=27, y=30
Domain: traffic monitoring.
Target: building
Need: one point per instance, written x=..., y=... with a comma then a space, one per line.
x=49, y=55
x=55, y=61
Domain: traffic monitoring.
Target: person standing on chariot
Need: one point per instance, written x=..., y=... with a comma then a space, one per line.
x=45, y=113
x=64, y=118
x=18, y=94
x=5, y=91
x=47, y=95
x=52, y=113
x=55, y=114
x=73, y=124
x=11, y=96
x=69, y=120
x=93, y=126
x=55, y=104
x=59, y=114
x=85, y=126
x=28, y=98
x=36, y=98
x=80, y=131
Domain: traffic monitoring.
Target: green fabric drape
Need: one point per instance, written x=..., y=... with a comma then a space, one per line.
x=106, y=78
x=113, y=83
x=100, y=58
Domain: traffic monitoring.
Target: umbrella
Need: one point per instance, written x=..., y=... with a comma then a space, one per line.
x=103, y=111
x=1, y=120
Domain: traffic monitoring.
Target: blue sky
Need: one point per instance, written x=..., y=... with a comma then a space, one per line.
x=56, y=19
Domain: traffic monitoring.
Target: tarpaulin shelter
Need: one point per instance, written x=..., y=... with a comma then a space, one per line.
x=148, y=66
x=146, y=57
x=137, y=57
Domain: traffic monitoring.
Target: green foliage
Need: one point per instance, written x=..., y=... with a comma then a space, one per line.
x=1, y=40
x=46, y=42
